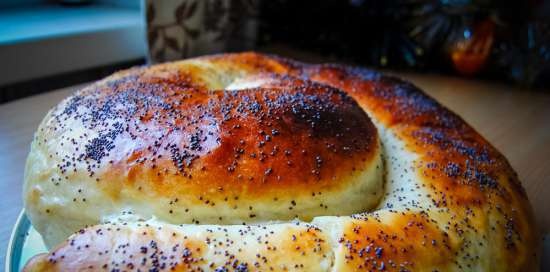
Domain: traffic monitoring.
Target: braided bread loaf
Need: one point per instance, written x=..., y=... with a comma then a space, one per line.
x=247, y=162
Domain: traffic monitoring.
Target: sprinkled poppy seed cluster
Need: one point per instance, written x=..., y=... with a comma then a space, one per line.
x=248, y=162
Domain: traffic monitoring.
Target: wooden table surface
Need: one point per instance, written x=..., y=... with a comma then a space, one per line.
x=516, y=121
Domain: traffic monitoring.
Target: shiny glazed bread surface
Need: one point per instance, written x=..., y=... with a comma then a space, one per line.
x=331, y=168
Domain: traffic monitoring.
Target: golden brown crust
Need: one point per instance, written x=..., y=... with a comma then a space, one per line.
x=161, y=247
x=395, y=242
x=475, y=195
x=164, y=142
x=243, y=143
x=249, y=144
x=452, y=201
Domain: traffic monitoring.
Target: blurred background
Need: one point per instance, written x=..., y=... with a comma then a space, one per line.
x=48, y=44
